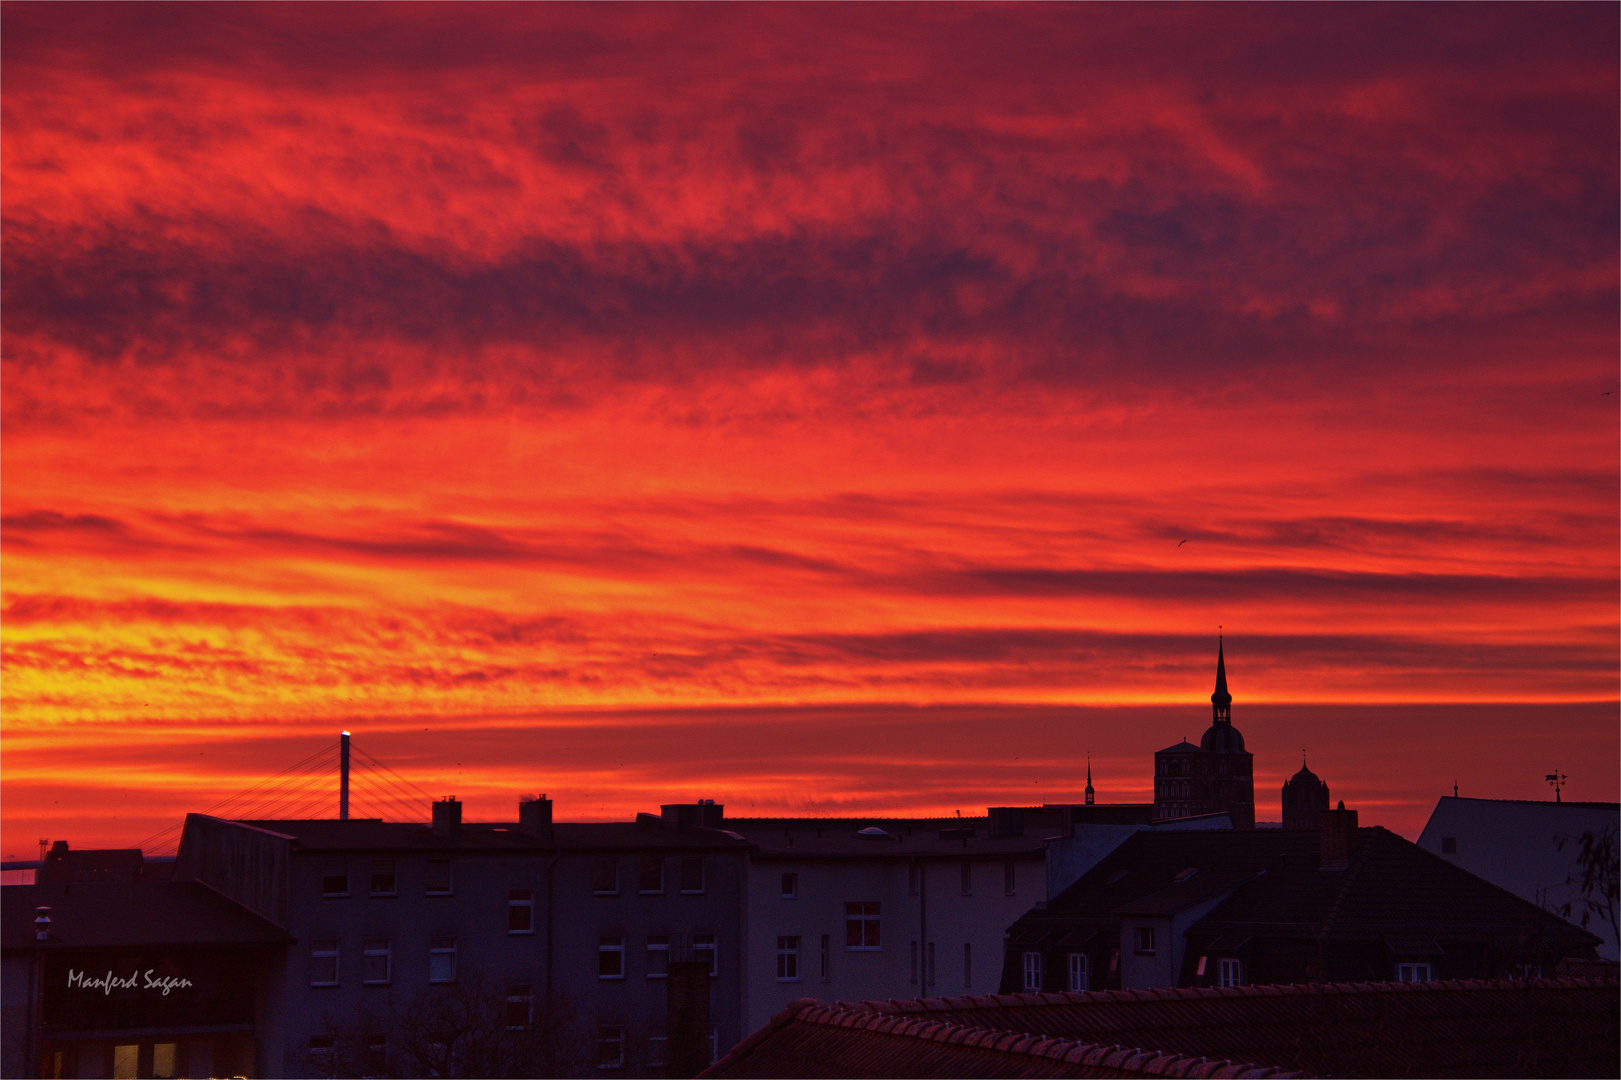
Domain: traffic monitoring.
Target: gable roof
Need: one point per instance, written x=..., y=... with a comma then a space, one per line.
x=809, y=1039
x=1544, y=1027
x=97, y=915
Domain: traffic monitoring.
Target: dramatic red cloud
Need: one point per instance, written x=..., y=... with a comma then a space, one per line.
x=727, y=391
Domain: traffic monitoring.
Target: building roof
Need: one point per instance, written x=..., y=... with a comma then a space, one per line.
x=809, y=1039
x=900, y=838
x=1392, y=887
x=160, y=914
x=373, y=834
x=1507, y=1027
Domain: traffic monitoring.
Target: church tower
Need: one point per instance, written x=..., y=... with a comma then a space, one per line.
x=1218, y=775
x=1305, y=797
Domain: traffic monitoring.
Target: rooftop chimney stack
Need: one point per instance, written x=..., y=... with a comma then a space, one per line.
x=447, y=817
x=42, y=924
x=535, y=817
x=1336, y=830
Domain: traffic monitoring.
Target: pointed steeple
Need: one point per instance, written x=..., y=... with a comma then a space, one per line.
x=1221, y=699
x=1089, y=794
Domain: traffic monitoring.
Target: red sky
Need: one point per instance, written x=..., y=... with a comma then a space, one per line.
x=804, y=406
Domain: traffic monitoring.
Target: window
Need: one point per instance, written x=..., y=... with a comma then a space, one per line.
x=605, y=877
x=928, y=969
x=1449, y=845
x=610, y=1047
x=442, y=960
x=968, y=879
x=1080, y=971
x=658, y=956
x=860, y=926
x=1009, y=876
x=692, y=874
x=787, y=959
x=437, y=882
x=827, y=956
x=705, y=943
x=521, y=911
x=163, y=1061
x=377, y=962
x=967, y=966
x=125, y=1060
x=376, y=1055
x=790, y=886
x=382, y=877
x=650, y=876
x=1032, y=971
x=324, y=963
x=1230, y=973
x=520, y=1011
x=611, y=957
x=335, y=882
x=321, y=1057
x=1144, y=937
x=1414, y=973
x=1528, y=971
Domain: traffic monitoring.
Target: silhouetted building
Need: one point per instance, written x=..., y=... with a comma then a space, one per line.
x=159, y=979
x=1548, y=1027
x=1529, y=848
x=62, y=866
x=1215, y=777
x=1220, y=908
x=1305, y=796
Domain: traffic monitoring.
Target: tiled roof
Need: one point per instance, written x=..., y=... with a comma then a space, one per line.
x=136, y=914
x=809, y=1039
x=1544, y=1027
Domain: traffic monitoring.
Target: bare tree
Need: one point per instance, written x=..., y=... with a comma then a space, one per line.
x=470, y=1028
x=1599, y=877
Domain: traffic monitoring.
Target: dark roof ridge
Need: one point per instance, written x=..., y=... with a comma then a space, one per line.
x=1586, y=804
x=1124, y=1058
x=902, y=1006
x=1359, y=859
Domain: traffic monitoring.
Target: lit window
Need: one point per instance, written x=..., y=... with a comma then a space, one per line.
x=324, y=963
x=610, y=1047
x=442, y=960
x=437, y=881
x=1145, y=940
x=611, y=957
x=1230, y=973
x=1414, y=973
x=335, y=882
x=382, y=877
x=968, y=879
x=787, y=959
x=1080, y=971
x=521, y=911
x=163, y=1061
x=790, y=886
x=377, y=962
x=1009, y=876
x=860, y=926
x=520, y=1011
x=658, y=956
x=1032, y=971
x=705, y=943
x=605, y=877
x=650, y=876
x=692, y=875
x=126, y=1059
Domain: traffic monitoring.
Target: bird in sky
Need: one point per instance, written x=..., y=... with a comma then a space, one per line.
x=1183, y=542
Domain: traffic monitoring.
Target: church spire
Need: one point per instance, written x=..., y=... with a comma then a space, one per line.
x=1221, y=700
x=1089, y=794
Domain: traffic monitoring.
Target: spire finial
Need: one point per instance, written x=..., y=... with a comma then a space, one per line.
x=1221, y=699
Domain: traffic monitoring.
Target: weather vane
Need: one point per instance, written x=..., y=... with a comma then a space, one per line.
x=1556, y=780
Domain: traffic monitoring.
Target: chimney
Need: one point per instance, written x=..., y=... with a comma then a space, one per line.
x=535, y=816
x=447, y=817
x=1336, y=829
x=42, y=924
x=705, y=812
x=687, y=1008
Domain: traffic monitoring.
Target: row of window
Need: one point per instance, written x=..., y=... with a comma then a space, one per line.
x=1010, y=880
x=611, y=955
x=382, y=879
x=377, y=962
